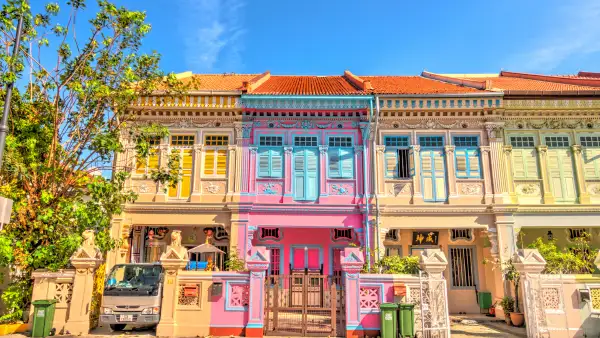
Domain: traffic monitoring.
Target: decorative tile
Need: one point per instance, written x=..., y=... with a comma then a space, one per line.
x=370, y=297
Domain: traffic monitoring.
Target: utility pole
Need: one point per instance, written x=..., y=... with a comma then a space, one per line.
x=6, y=203
x=9, y=88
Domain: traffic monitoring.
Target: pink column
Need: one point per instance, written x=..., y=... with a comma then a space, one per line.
x=352, y=261
x=323, y=173
x=287, y=175
x=252, y=170
x=257, y=263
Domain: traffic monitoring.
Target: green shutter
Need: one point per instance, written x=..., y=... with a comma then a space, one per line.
x=276, y=163
x=299, y=175
x=591, y=162
x=347, y=163
x=263, y=163
x=525, y=164
x=561, y=175
x=312, y=182
x=391, y=163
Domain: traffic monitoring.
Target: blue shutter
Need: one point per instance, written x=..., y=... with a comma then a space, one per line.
x=263, y=163
x=347, y=163
x=334, y=162
x=433, y=175
x=299, y=175
x=391, y=163
x=312, y=182
x=277, y=163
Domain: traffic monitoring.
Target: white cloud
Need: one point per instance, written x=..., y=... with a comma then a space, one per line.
x=212, y=31
x=575, y=32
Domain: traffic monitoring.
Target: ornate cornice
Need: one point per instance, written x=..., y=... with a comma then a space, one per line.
x=428, y=123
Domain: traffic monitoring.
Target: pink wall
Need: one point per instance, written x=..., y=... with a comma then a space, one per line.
x=318, y=241
x=220, y=317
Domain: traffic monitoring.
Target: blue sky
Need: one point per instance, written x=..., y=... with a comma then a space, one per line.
x=373, y=37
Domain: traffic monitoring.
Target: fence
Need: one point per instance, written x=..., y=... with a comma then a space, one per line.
x=558, y=306
x=57, y=286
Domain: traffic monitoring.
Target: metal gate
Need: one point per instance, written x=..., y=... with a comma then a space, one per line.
x=544, y=305
x=304, y=305
x=431, y=306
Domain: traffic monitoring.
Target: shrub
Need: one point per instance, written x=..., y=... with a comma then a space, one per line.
x=399, y=265
x=234, y=263
x=576, y=259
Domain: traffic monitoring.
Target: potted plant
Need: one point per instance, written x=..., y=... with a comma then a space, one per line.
x=508, y=305
x=511, y=274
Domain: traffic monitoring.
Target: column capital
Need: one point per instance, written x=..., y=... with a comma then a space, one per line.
x=433, y=261
x=507, y=149
x=323, y=149
x=352, y=260
x=258, y=260
x=416, y=148
x=288, y=150
x=358, y=149
x=380, y=148
x=231, y=148
x=576, y=148
x=198, y=148
x=253, y=149
x=449, y=149
x=494, y=130
x=528, y=261
x=542, y=149
x=484, y=149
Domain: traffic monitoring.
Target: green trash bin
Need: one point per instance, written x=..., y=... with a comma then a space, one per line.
x=485, y=301
x=388, y=315
x=43, y=316
x=406, y=320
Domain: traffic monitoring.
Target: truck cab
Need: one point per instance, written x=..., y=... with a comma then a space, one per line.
x=132, y=296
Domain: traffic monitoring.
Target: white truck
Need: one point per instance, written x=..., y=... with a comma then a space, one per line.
x=132, y=296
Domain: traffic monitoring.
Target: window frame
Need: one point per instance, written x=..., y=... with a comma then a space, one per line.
x=340, y=174
x=147, y=158
x=545, y=142
x=468, y=157
x=474, y=267
x=596, y=161
x=215, y=150
x=270, y=156
x=318, y=167
x=395, y=149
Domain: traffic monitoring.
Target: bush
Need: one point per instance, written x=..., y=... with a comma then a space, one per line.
x=577, y=259
x=234, y=263
x=508, y=304
x=399, y=265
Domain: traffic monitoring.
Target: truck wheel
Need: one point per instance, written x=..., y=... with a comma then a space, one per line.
x=117, y=327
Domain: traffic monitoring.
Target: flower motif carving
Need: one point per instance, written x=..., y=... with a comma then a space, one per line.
x=470, y=189
x=213, y=188
x=143, y=188
x=270, y=188
x=341, y=189
x=594, y=189
x=529, y=189
x=400, y=189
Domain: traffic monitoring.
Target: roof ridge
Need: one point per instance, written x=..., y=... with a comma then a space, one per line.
x=552, y=78
x=359, y=83
x=482, y=85
x=256, y=81
x=589, y=74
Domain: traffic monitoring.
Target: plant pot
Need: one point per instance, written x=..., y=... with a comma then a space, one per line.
x=517, y=319
x=492, y=311
x=507, y=318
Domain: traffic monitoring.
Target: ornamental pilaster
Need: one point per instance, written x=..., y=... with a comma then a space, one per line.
x=486, y=171
x=583, y=195
x=542, y=152
x=323, y=163
x=380, y=168
x=418, y=194
x=197, y=179
x=288, y=151
x=232, y=175
x=505, y=177
x=451, y=171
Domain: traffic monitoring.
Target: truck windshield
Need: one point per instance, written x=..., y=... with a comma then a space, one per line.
x=134, y=277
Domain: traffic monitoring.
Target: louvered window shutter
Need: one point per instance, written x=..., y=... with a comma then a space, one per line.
x=411, y=159
x=461, y=163
x=312, y=186
x=299, y=175
x=276, y=163
x=391, y=163
x=347, y=163
x=591, y=162
x=334, y=162
x=221, y=162
x=209, y=162
x=474, y=167
x=263, y=163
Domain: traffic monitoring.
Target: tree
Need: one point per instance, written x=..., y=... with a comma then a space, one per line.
x=68, y=120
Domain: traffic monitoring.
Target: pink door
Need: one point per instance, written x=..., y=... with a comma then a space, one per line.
x=314, y=262
x=299, y=262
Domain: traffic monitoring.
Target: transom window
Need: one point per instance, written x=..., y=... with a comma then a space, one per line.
x=431, y=141
x=305, y=141
x=270, y=233
x=392, y=235
x=461, y=234
x=182, y=140
x=590, y=141
x=342, y=234
x=216, y=140
x=396, y=141
x=338, y=141
x=466, y=141
x=154, y=141
x=270, y=141
x=557, y=141
x=576, y=233
x=522, y=141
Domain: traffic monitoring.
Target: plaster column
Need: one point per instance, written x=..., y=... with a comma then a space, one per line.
x=382, y=233
x=257, y=263
x=380, y=169
x=233, y=175
x=583, y=195
x=252, y=170
x=418, y=194
x=237, y=235
x=323, y=173
x=85, y=261
x=486, y=173
x=500, y=174
x=506, y=235
x=250, y=231
x=173, y=261
x=161, y=194
x=352, y=261
x=288, y=172
x=529, y=263
x=197, y=180
x=507, y=158
x=450, y=172
x=542, y=152
x=360, y=192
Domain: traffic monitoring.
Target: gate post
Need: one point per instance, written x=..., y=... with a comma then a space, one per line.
x=257, y=263
x=173, y=260
x=85, y=260
x=352, y=261
x=434, y=294
x=529, y=262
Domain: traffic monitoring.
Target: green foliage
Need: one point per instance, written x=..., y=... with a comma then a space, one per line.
x=511, y=274
x=576, y=259
x=97, y=291
x=234, y=263
x=66, y=124
x=508, y=304
x=399, y=265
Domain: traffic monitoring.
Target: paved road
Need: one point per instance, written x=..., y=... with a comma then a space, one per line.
x=478, y=330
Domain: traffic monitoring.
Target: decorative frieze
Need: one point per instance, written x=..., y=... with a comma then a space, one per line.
x=431, y=124
x=257, y=103
x=552, y=124
x=270, y=188
x=213, y=187
x=341, y=189
x=551, y=104
x=466, y=188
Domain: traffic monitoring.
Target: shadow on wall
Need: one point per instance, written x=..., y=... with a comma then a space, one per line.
x=591, y=325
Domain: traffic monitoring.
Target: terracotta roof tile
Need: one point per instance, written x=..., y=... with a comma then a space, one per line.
x=414, y=85
x=306, y=85
x=219, y=81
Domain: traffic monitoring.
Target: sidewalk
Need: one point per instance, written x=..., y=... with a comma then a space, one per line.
x=482, y=325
